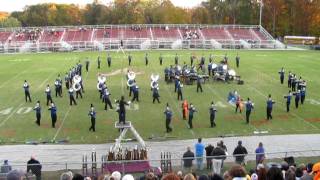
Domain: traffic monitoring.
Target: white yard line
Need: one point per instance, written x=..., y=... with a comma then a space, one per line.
x=12, y=113
x=10, y=80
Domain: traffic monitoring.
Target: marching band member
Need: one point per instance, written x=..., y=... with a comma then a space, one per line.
x=155, y=94
x=288, y=97
x=270, y=103
x=146, y=59
x=106, y=97
x=237, y=60
x=192, y=110
x=135, y=90
x=129, y=59
x=99, y=62
x=79, y=68
x=238, y=103
x=303, y=94
x=122, y=109
x=37, y=108
x=26, y=91
x=179, y=90
x=168, y=114
x=185, y=108
x=281, y=72
x=176, y=59
x=297, y=98
x=199, y=86
x=249, y=107
x=212, y=112
x=87, y=64
x=57, y=88
x=160, y=59
x=67, y=80
x=78, y=91
x=289, y=79
x=53, y=112
x=48, y=93
x=71, y=96
x=92, y=113
x=191, y=60
x=210, y=67
x=294, y=82
x=109, y=60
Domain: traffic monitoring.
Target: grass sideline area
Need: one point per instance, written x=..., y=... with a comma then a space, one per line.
x=258, y=69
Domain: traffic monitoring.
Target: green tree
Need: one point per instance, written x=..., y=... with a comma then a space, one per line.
x=10, y=22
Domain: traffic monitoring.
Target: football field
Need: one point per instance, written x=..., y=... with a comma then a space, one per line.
x=258, y=69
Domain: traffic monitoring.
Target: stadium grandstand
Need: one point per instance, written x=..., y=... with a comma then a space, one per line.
x=103, y=37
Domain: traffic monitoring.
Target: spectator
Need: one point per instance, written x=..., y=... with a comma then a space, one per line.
x=66, y=176
x=209, y=150
x=189, y=176
x=218, y=157
x=203, y=177
x=224, y=147
x=274, y=173
x=239, y=153
x=261, y=172
x=237, y=171
x=5, y=168
x=34, y=166
x=316, y=171
x=260, y=156
x=171, y=176
x=215, y=177
x=77, y=177
x=307, y=175
x=127, y=177
x=188, y=157
x=15, y=175
x=199, y=147
x=116, y=175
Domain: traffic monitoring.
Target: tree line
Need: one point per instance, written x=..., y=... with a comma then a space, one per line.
x=280, y=17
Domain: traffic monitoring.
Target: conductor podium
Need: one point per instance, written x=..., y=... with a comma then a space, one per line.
x=128, y=159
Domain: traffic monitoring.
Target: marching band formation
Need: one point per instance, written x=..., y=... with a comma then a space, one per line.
x=176, y=74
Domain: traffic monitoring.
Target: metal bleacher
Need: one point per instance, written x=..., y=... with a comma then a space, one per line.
x=106, y=37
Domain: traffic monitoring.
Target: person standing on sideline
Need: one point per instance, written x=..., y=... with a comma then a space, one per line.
x=53, y=112
x=37, y=108
x=281, y=73
x=209, y=150
x=188, y=157
x=239, y=153
x=199, y=148
x=249, y=107
x=92, y=114
x=26, y=91
x=260, y=154
x=35, y=167
x=212, y=111
x=270, y=103
x=168, y=114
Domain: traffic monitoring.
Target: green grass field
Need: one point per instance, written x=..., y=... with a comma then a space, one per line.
x=259, y=70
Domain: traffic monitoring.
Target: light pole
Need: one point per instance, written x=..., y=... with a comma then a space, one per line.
x=261, y=6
